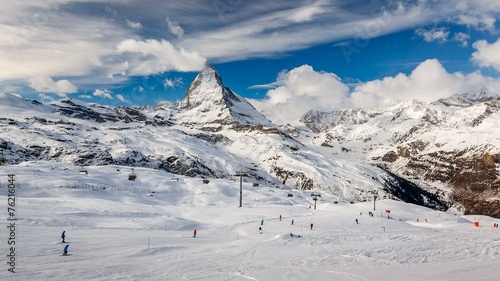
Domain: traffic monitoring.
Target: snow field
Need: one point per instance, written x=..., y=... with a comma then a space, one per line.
x=121, y=230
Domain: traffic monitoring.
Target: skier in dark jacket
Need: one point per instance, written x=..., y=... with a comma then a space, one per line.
x=63, y=236
x=66, y=250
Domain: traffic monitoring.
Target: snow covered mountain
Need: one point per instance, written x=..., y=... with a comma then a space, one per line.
x=209, y=103
x=451, y=147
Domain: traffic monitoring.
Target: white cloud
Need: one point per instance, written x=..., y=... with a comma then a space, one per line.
x=152, y=56
x=175, y=28
x=41, y=39
x=487, y=55
x=47, y=85
x=120, y=97
x=302, y=89
x=103, y=93
x=173, y=83
x=87, y=97
x=61, y=39
x=271, y=31
x=439, y=35
x=463, y=38
x=134, y=24
x=483, y=21
x=428, y=82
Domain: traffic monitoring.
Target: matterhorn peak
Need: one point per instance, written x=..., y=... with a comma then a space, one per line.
x=207, y=86
x=211, y=102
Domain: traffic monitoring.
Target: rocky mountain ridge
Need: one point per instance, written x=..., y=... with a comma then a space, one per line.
x=451, y=146
x=214, y=132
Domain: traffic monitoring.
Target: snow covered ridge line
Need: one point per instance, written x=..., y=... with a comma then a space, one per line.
x=11, y=220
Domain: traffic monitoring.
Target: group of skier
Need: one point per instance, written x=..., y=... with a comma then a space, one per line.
x=280, y=219
x=63, y=236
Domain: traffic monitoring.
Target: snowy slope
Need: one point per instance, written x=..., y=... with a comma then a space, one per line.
x=142, y=230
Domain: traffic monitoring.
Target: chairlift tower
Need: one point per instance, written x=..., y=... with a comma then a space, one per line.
x=241, y=175
x=375, y=194
x=315, y=198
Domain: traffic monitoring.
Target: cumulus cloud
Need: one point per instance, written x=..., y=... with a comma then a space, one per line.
x=175, y=28
x=487, y=55
x=47, y=85
x=103, y=93
x=300, y=90
x=439, y=35
x=153, y=56
x=428, y=82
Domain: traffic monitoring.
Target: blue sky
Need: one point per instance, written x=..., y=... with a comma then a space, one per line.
x=284, y=56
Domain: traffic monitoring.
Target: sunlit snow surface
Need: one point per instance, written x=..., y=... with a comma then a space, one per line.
x=110, y=221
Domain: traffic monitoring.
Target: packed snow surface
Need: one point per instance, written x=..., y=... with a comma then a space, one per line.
x=119, y=229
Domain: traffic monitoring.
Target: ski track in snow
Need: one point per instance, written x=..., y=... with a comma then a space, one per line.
x=108, y=233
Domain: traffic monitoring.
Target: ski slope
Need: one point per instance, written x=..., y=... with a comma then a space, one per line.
x=143, y=230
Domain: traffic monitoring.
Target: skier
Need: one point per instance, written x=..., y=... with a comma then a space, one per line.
x=356, y=221
x=280, y=217
x=262, y=222
x=292, y=221
x=260, y=230
x=194, y=233
x=66, y=250
x=63, y=236
x=312, y=226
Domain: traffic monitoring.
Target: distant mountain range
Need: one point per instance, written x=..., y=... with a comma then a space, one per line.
x=450, y=147
x=440, y=155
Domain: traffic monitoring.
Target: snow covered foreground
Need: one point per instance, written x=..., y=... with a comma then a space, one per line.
x=143, y=230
